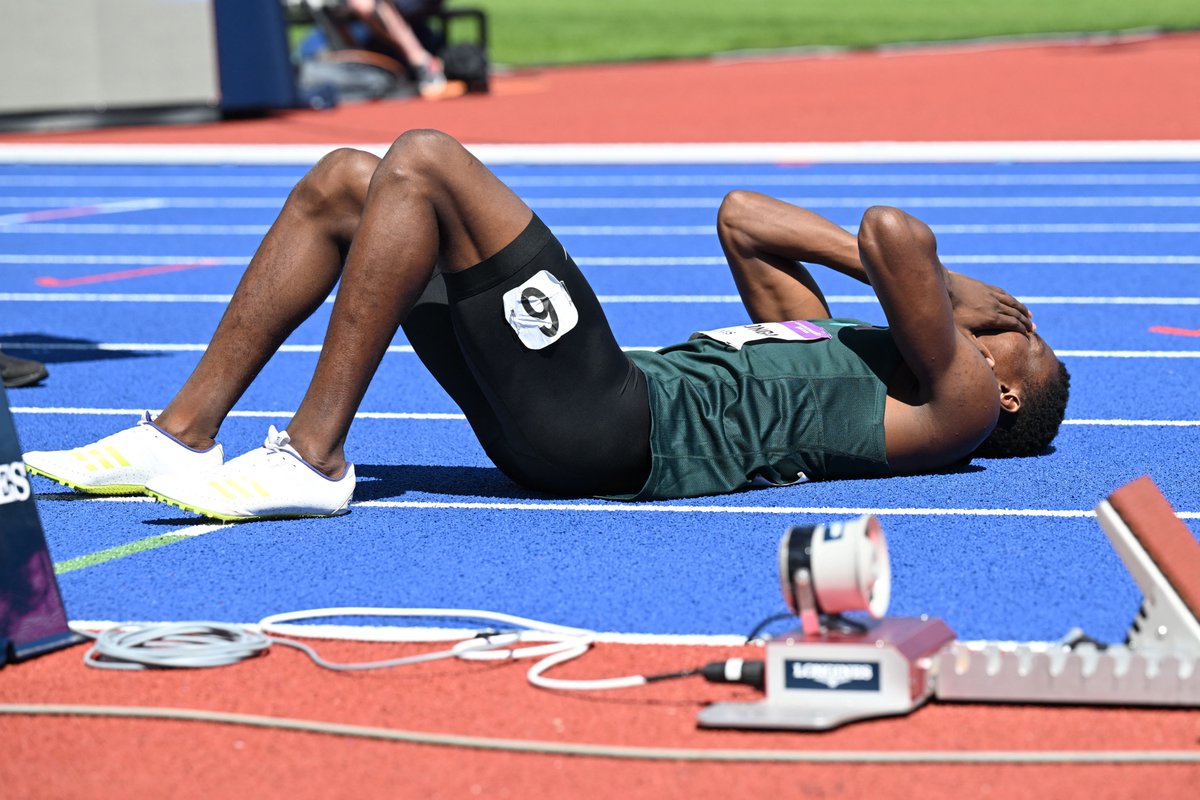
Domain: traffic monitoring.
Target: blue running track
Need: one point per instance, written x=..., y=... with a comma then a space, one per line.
x=1102, y=253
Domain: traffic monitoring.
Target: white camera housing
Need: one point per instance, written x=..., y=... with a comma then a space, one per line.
x=836, y=567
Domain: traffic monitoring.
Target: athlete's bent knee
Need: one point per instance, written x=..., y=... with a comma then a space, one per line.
x=337, y=184
x=419, y=154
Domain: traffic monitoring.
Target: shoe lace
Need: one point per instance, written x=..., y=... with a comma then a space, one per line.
x=276, y=439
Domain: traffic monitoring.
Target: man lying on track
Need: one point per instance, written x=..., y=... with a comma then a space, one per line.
x=515, y=335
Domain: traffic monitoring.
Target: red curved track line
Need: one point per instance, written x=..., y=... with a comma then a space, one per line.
x=1174, y=331
x=125, y=274
x=61, y=213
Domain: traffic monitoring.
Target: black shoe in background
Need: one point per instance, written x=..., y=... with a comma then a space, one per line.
x=21, y=371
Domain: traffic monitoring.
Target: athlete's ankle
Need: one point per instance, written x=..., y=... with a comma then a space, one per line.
x=190, y=433
x=330, y=462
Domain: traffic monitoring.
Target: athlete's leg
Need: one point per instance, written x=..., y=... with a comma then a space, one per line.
x=572, y=417
x=430, y=201
x=291, y=274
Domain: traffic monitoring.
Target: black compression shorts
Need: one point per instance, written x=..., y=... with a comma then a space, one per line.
x=521, y=344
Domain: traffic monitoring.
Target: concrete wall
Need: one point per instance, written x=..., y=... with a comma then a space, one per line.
x=100, y=55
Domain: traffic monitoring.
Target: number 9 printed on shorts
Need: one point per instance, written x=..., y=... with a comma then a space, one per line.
x=540, y=310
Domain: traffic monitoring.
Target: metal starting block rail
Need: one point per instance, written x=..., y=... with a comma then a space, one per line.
x=817, y=679
x=1081, y=674
x=1158, y=665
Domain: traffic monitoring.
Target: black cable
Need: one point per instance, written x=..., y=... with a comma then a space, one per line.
x=758, y=629
x=667, y=676
x=736, y=670
x=842, y=624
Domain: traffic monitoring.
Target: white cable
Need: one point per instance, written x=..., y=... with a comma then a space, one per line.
x=178, y=644
x=534, y=676
x=195, y=645
x=552, y=644
x=271, y=623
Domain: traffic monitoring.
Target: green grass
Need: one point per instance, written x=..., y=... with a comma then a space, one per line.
x=532, y=32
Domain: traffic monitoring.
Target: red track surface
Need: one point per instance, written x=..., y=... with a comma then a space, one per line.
x=1144, y=89
x=45, y=758
x=1139, y=90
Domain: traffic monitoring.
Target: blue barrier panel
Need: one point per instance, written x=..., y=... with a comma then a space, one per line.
x=252, y=51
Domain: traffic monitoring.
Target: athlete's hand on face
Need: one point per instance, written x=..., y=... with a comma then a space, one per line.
x=981, y=307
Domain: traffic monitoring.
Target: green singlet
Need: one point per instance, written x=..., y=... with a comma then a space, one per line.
x=779, y=411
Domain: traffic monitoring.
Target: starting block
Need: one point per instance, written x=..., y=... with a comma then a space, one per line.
x=823, y=675
x=32, y=618
x=1159, y=663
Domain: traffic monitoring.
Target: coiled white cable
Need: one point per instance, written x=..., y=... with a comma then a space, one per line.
x=174, y=644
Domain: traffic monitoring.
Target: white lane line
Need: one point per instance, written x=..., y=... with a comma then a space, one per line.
x=1128, y=353
x=1089, y=228
x=91, y=260
x=276, y=201
x=870, y=298
x=52, y=202
x=108, y=229
x=157, y=347
x=1071, y=227
x=153, y=181
x=105, y=229
x=401, y=348
x=798, y=178
x=608, y=299
x=784, y=177
x=422, y=415
x=719, y=261
x=862, y=203
x=1051, y=300
x=615, y=508
x=616, y=261
x=199, y=530
x=137, y=412
x=1069, y=259
x=1136, y=423
x=618, y=508
x=56, y=201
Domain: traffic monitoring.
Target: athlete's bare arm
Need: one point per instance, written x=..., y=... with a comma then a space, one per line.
x=933, y=312
x=765, y=240
x=955, y=404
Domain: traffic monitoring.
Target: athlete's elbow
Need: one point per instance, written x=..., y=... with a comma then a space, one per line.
x=884, y=228
x=736, y=219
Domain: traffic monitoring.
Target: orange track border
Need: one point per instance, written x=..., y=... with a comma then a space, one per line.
x=1127, y=89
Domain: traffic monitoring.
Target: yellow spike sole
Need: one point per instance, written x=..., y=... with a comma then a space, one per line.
x=111, y=489
x=231, y=518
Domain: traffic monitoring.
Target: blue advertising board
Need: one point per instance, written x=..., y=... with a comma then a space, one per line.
x=32, y=617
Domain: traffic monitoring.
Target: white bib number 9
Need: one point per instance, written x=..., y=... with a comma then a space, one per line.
x=540, y=311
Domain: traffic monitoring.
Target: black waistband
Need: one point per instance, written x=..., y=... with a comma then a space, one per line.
x=498, y=268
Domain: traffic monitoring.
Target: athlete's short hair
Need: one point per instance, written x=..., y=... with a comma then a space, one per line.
x=1029, y=431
